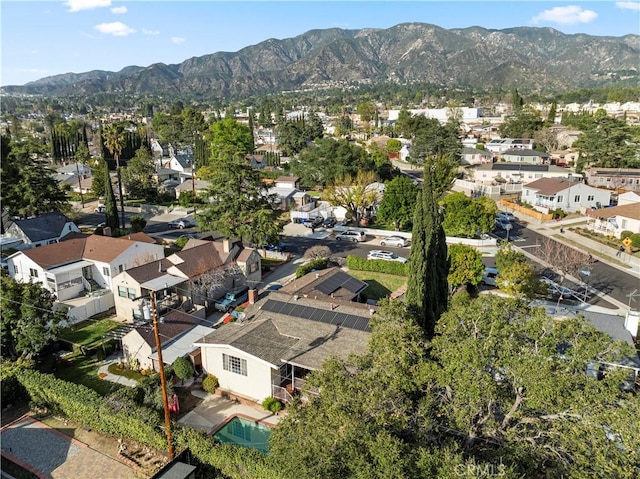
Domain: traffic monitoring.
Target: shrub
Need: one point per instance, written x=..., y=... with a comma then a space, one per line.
x=137, y=224
x=310, y=266
x=558, y=213
x=625, y=234
x=635, y=240
x=183, y=368
x=376, y=265
x=272, y=404
x=210, y=383
x=180, y=242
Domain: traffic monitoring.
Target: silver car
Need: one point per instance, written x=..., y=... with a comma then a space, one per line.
x=186, y=222
x=397, y=241
x=385, y=255
x=351, y=235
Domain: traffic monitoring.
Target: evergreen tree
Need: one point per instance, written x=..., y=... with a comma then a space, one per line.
x=111, y=209
x=427, y=289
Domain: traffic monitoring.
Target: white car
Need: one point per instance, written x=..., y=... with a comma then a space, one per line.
x=397, y=241
x=100, y=209
x=182, y=223
x=385, y=255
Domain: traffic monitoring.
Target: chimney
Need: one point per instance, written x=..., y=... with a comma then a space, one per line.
x=226, y=245
x=252, y=296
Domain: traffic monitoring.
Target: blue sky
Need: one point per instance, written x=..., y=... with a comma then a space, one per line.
x=40, y=39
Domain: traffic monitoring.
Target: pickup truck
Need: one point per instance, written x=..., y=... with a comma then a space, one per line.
x=232, y=299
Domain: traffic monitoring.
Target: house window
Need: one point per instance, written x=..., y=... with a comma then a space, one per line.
x=576, y=199
x=253, y=267
x=590, y=198
x=526, y=192
x=234, y=364
x=120, y=268
x=122, y=291
x=33, y=273
x=624, y=224
x=131, y=292
x=601, y=180
x=106, y=271
x=560, y=198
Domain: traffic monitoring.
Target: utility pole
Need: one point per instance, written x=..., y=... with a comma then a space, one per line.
x=80, y=183
x=163, y=382
x=193, y=185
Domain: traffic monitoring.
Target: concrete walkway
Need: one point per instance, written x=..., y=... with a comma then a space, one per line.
x=214, y=410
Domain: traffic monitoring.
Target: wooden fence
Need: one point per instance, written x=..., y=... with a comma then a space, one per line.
x=526, y=211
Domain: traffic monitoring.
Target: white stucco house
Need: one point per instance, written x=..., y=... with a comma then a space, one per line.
x=615, y=220
x=493, y=173
x=525, y=155
x=499, y=145
x=628, y=198
x=42, y=230
x=75, y=266
x=571, y=196
x=178, y=331
x=286, y=335
x=473, y=156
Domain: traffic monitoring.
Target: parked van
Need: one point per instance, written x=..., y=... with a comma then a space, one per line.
x=489, y=276
x=351, y=235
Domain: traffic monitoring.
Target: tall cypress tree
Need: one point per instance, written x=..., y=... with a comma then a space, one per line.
x=427, y=288
x=111, y=209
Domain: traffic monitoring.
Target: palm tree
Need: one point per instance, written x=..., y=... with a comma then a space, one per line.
x=114, y=139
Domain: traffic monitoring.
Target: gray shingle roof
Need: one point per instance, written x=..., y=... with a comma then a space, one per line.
x=43, y=227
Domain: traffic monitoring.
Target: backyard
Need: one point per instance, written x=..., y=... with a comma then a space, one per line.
x=381, y=285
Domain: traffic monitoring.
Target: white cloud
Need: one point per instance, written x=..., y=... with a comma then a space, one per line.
x=628, y=5
x=117, y=29
x=119, y=10
x=151, y=32
x=78, y=5
x=178, y=40
x=565, y=15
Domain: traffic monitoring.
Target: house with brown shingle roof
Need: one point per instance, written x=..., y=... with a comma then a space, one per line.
x=199, y=274
x=74, y=267
x=549, y=194
x=615, y=220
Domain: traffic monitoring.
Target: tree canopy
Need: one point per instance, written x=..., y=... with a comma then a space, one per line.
x=28, y=321
x=466, y=217
x=500, y=387
x=356, y=195
x=398, y=202
x=466, y=266
x=28, y=186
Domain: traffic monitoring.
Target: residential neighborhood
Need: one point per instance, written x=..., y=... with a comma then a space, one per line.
x=397, y=284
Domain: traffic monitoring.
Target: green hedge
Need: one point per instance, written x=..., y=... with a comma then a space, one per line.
x=377, y=265
x=86, y=407
x=316, y=264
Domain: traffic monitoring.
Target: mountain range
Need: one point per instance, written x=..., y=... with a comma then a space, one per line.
x=534, y=59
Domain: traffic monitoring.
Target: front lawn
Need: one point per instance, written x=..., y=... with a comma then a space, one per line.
x=88, y=333
x=381, y=285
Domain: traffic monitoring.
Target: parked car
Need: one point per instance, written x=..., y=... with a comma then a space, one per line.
x=186, y=222
x=507, y=216
x=100, y=209
x=397, y=241
x=351, y=235
x=313, y=222
x=489, y=276
x=329, y=222
x=385, y=255
x=503, y=224
x=276, y=247
x=232, y=298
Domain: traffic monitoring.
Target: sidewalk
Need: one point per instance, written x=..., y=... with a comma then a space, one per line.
x=625, y=262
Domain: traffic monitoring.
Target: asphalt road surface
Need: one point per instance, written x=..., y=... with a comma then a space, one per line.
x=602, y=277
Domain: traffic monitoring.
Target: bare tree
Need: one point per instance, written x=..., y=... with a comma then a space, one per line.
x=317, y=252
x=210, y=284
x=562, y=259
